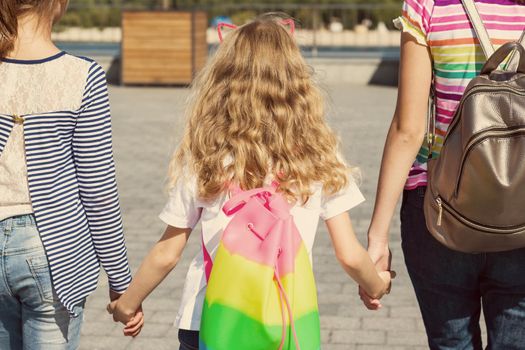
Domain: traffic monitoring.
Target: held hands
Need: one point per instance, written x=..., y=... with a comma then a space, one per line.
x=133, y=320
x=382, y=258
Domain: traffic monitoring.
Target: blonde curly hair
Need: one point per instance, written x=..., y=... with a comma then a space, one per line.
x=255, y=112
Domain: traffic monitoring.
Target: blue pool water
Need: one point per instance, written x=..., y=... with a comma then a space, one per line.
x=113, y=49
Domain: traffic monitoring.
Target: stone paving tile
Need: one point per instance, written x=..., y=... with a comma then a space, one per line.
x=104, y=342
x=358, y=337
x=147, y=124
x=390, y=347
x=340, y=322
x=406, y=338
x=389, y=324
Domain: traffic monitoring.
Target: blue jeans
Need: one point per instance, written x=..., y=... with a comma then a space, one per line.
x=31, y=317
x=453, y=288
x=189, y=340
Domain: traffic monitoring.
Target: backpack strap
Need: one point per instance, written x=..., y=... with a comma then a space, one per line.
x=231, y=206
x=285, y=307
x=479, y=28
x=486, y=45
x=483, y=35
x=501, y=54
x=514, y=60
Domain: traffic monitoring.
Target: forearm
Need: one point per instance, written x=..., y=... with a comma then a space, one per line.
x=106, y=230
x=155, y=267
x=401, y=149
x=162, y=258
x=405, y=136
x=363, y=271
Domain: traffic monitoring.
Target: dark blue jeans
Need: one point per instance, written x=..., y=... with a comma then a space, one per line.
x=452, y=287
x=189, y=340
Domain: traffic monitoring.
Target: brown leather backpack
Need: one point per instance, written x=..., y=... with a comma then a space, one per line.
x=475, y=200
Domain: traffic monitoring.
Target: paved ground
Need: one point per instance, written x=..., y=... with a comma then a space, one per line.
x=147, y=125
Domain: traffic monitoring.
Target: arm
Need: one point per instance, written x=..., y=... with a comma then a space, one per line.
x=159, y=262
x=353, y=257
x=404, y=140
x=95, y=168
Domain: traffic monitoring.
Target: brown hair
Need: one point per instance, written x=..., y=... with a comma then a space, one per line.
x=256, y=111
x=12, y=10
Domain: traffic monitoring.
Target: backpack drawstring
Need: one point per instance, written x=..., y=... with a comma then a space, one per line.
x=285, y=303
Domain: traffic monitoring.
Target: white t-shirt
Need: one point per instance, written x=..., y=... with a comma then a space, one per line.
x=184, y=210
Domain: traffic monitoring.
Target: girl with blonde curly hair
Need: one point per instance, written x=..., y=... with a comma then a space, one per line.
x=255, y=116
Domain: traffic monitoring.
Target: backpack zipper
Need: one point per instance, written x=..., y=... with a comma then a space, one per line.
x=444, y=206
x=440, y=212
x=477, y=89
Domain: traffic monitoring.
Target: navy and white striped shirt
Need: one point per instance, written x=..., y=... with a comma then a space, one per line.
x=71, y=174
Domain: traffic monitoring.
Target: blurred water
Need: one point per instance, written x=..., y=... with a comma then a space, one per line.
x=94, y=49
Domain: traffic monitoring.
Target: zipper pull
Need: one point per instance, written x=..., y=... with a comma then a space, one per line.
x=440, y=213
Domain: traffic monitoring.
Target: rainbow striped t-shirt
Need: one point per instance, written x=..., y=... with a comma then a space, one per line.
x=443, y=26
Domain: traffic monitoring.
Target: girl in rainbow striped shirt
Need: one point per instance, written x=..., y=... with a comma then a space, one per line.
x=439, y=47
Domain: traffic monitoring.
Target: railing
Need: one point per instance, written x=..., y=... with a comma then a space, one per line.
x=321, y=27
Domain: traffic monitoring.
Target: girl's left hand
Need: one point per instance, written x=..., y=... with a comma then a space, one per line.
x=134, y=326
x=133, y=321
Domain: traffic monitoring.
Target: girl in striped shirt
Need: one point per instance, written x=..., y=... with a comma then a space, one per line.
x=59, y=210
x=439, y=47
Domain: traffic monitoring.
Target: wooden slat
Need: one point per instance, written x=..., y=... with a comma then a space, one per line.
x=160, y=55
x=158, y=15
x=157, y=47
x=152, y=66
x=201, y=44
x=158, y=79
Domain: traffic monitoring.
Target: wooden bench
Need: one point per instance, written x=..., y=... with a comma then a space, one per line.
x=163, y=47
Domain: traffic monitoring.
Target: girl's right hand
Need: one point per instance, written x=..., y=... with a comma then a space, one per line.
x=382, y=258
x=375, y=303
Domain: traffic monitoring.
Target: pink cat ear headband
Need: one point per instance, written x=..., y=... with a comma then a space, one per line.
x=286, y=22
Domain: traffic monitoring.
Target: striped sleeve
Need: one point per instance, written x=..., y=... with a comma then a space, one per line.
x=416, y=19
x=95, y=167
x=6, y=125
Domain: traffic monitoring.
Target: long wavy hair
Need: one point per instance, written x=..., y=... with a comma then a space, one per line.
x=255, y=112
x=12, y=10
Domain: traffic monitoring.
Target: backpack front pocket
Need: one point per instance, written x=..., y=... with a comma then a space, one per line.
x=491, y=179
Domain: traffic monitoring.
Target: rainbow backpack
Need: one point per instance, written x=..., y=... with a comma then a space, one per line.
x=261, y=292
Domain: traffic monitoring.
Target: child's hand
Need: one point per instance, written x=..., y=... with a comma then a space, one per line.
x=368, y=301
x=134, y=326
x=133, y=321
x=374, y=303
